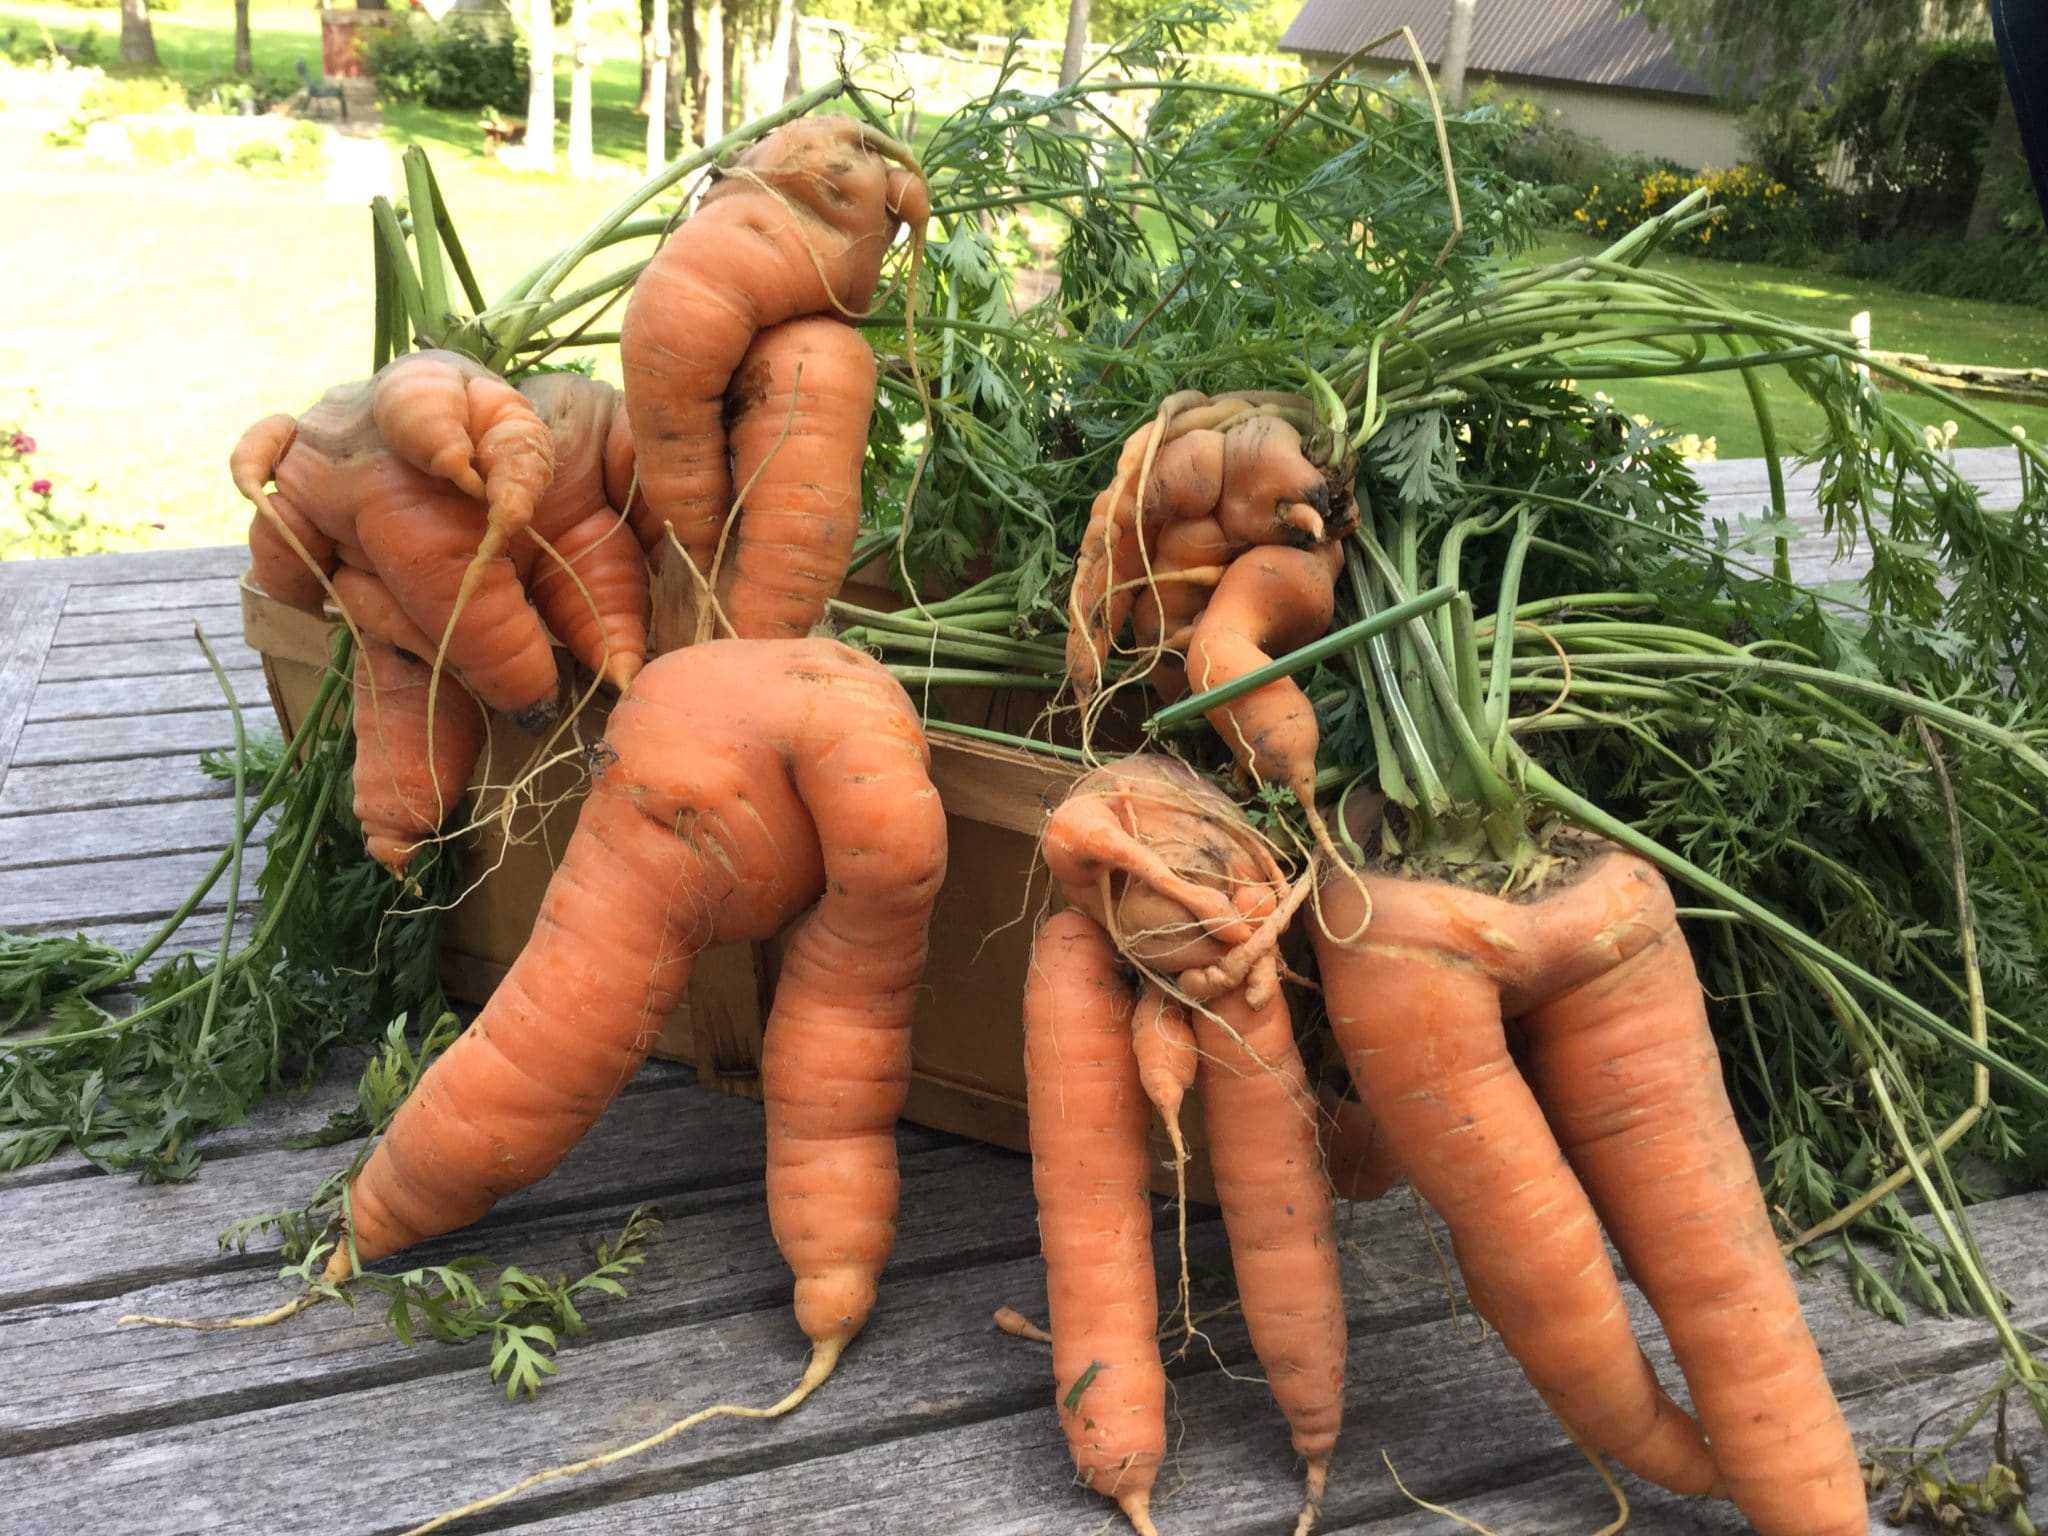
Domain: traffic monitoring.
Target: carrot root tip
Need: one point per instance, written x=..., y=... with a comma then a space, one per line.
x=1137, y=1508
x=276, y=1315
x=539, y=717
x=1312, y=1505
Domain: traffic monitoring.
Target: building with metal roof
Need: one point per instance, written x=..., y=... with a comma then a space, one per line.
x=1607, y=75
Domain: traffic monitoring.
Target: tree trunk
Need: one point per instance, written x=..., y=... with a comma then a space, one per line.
x=579, y=88
x=540, y=92
x=693, y=70
x=714, y=71
x=244, y=65
x=646, y=53
x=1075, y=54
x=2002, y=153
x=775, y=58
x=678, y=74
x=1457, y=49
x=793, y=75
x=657, y=91
x=138, y=40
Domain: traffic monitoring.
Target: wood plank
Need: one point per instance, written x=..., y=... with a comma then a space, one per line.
x=1453, y=1415
x=1982, y=467
x=123, y=890
x=40, y=787
x=712, y=1258
x=28, y=619
x=176, y=593
x=705, y=1141
x=1574, y=1500
x=63, y=838
x=146, y=658
x=901, y=1440
x=120, y=628
x=200, y=931
x=137, y=697
x=151, y=565
x=82, y=741
x=1002, y=786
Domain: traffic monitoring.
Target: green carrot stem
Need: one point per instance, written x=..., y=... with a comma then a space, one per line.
x=1629, y=368
x=234, y=962
x=451, y=243
x=419, y=193
x=1954, y=721
x=241, y=767
x=1193, y=707
x=967, y=677
x=245, y=827
x=1005, y=739
x=1562, y=798
x=385, y=323
x=1767, y=432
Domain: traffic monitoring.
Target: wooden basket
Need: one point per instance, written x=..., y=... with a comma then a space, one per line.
x=967, y=1043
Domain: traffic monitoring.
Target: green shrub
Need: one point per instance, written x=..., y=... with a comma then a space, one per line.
x=1540, y=150
x=459, y=65
x=134, y=96
x=1757, y=216
x=233, y=94
x=22, y=44
x=1914, y=130
x=34, y=520
x=256, y=154
x=161, y=146
x=2003, y=269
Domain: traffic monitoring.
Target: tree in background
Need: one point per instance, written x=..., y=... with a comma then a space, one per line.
x=138, y=39
x=244, y=64
x=540, y=95
x=579, y=87
x=1776, y=52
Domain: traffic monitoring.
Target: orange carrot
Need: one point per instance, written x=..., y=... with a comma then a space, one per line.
x=369, y=605
x=1615, y=1094
x=797, y=225
x=1188, y=563
x=421, y=477
x=1232, y=460
x=1269, y=601
x=1261, y=1118
x=746, y=778
x=287, y=554
x=1214, y=911
x=1089, y=1168
x=401, y=797
x=1360, y=1159
x=592, y=589
x=799, y=410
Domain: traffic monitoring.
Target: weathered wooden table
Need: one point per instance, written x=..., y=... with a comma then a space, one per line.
x=935, y=1423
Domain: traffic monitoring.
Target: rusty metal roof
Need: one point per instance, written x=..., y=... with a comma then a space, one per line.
x=1583, y=42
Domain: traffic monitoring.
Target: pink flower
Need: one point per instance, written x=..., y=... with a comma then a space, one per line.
x=41, y=488
x=23, y=443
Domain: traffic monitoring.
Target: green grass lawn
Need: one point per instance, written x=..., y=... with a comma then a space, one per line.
x=156, y=311
x=1949, y=330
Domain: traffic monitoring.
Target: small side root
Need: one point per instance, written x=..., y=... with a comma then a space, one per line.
x=268, y=1319
x=1018, y=1326
x=824, y=1356
x=1434, y=1509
